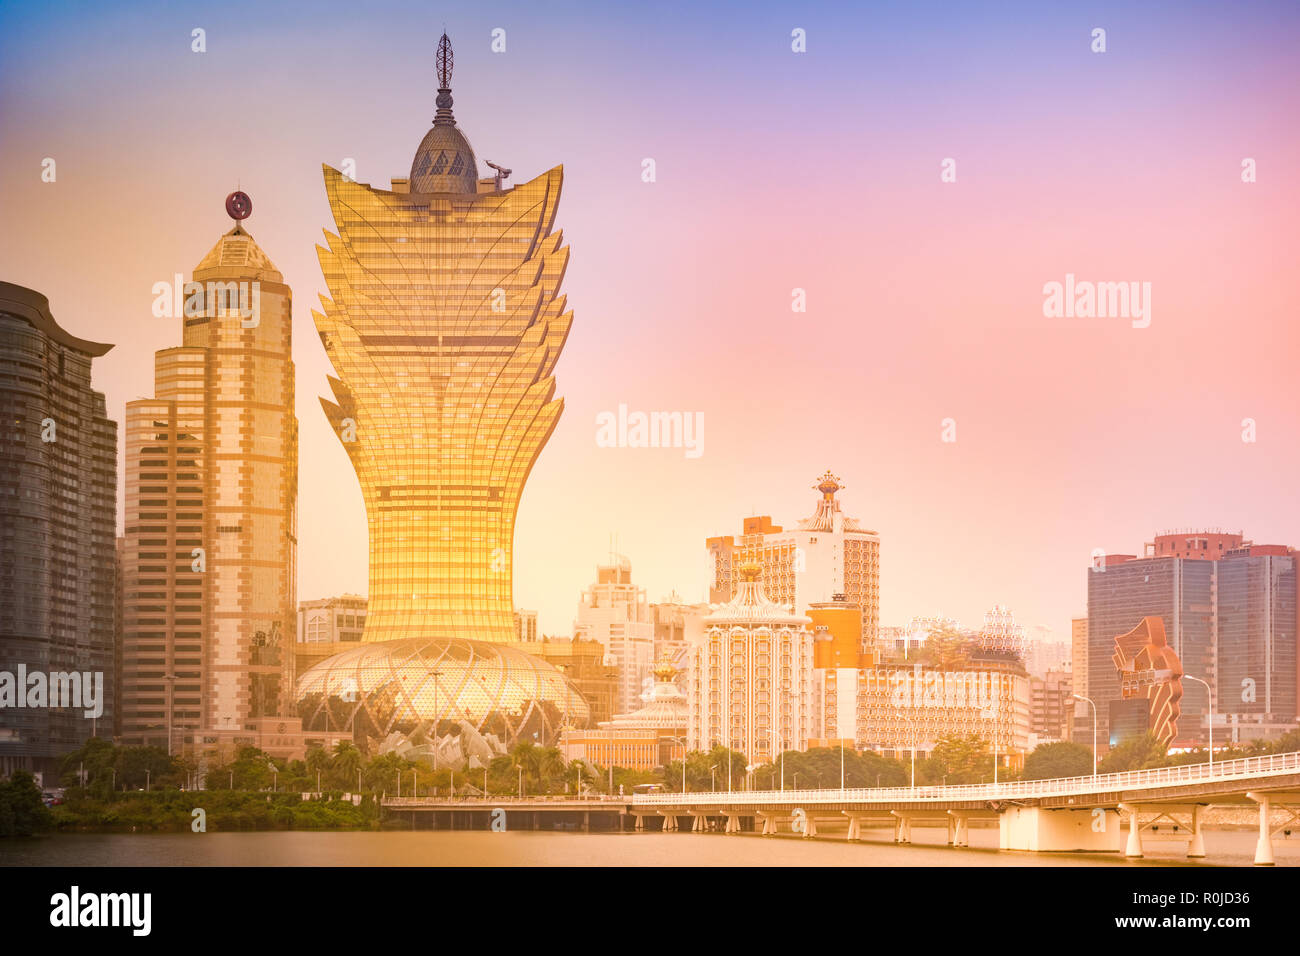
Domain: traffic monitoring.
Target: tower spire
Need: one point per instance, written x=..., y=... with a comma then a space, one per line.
x=446, y=61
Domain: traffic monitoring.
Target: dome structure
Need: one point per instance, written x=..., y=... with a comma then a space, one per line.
x=666, y=707
x=444, y=161
x=435, y=685
x=752, y=608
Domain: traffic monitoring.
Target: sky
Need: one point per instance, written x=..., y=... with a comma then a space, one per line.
x=775, y=170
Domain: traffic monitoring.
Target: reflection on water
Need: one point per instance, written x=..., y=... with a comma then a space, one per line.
x=528, y=848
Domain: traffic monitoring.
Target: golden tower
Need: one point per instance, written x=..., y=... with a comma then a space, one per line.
x=443, y=324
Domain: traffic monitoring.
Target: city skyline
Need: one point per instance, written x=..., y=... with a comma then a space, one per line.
x=1039, y=475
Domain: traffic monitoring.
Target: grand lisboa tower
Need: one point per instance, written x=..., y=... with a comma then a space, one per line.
x=443, y=324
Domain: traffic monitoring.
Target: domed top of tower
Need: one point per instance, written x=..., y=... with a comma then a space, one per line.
x=236, y=255
x=444, y=161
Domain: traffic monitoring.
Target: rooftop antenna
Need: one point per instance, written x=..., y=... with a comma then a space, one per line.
x=446, y=61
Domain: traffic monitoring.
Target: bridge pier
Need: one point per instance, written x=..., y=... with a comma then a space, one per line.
x=1196, y=846
x=902, y=826
x=769, y=823
x=1133, y=849
x=732, y=823
x=855, y=825
x=670, y=821
x=958, y=828
x=1264, y=846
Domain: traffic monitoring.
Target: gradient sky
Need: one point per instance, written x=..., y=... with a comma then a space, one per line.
x=775, y=170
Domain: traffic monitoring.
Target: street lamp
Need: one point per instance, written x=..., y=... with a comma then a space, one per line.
x=1094, y=731
x=713, y=778
x=1209, y=695
x=675, y=740
x=911, y=726
x=435, y=675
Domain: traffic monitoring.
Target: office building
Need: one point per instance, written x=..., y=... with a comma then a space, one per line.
x=58, y=517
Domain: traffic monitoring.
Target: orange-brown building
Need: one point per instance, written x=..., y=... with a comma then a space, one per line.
x=651, y=736
x=840, y=655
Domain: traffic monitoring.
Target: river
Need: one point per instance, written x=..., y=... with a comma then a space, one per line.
x=546, y=848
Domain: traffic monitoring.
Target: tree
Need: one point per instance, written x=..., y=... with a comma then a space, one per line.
x=1057, y=760
x=959, y=759
x=947, y=648
x=820, y=767
x=141, y=767
x=22, y=811
x=95, y=759
x=1137, y=753
x=344, y=765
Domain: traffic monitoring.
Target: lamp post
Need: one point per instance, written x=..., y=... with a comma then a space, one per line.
x=675, y=740
x=1094, y=731
x=713, y=778
x=841, y=763
x=912, y=727
x=1209, y=696
x=435, y=675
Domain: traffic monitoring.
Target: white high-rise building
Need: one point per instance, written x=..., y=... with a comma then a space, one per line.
x=827, y=557
x=614, y=612
x=750, y=684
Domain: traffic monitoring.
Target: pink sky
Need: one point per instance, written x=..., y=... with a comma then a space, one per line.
x=774, y=172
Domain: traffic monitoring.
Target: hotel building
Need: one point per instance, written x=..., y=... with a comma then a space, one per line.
x=444, y=323
x=827, y=554
x=653, y=735
x=58, y=516
x=751, y=684
x=209, y=552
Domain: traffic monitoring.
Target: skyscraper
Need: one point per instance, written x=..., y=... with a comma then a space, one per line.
x=827, y=555
x=58, y=517
x=614, y=612
x=1228, y=608
x=444, y=324
x=209, y=557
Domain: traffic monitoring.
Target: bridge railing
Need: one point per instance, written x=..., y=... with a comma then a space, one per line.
x=501, y=799
x=1227, y=770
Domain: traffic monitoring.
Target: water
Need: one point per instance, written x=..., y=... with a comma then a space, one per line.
x=545, y=848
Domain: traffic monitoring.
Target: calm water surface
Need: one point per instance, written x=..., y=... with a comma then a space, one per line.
x=542, y=848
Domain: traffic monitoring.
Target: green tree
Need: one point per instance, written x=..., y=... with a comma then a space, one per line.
x=707, y=770
x=22, y=811
x=147, y=767
x=1138, y=753
x=344, y=764
x=1057, y=760
x=958, y=759
x=947, y=648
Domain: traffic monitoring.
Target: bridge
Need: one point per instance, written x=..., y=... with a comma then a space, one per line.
x=1080, y=814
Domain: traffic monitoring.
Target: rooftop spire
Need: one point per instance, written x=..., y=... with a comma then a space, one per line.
x=445, y=63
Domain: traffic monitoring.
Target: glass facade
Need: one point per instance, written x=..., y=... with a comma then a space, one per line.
x=212, y=464
x=58, y=515
x=443, y=323
x=1257, y=639
x=435, y=686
